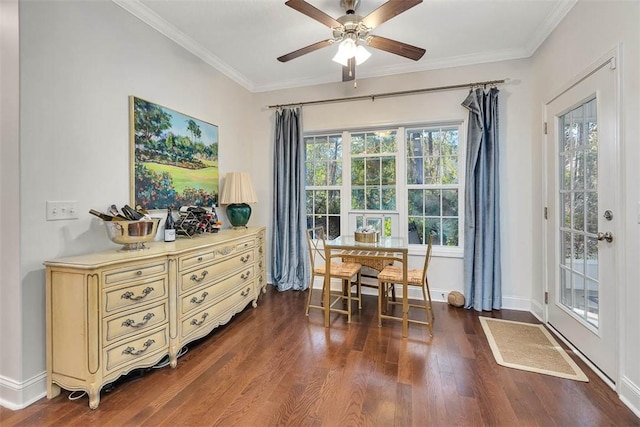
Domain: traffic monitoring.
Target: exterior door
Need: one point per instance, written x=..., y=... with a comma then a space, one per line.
x=582, y=216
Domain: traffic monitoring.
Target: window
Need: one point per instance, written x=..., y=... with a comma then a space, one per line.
x=433, y=185
x=323, y=184
x=373, y=170
x=403, y=180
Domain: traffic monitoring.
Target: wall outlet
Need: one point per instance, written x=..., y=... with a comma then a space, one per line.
x=62, y=210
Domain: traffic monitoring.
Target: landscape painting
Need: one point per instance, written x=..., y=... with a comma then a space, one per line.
x=175, y=158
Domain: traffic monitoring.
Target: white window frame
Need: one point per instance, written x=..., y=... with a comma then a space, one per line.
x=399, y=216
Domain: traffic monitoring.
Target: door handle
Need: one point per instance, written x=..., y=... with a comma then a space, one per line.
x=605, y=236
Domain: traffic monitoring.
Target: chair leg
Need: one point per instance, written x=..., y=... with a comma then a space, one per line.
x=433, y=316
x=427, y=309
x=380, y=297
x=426, y=303
x=359, y=291
x=310, y=292
x=347, y=285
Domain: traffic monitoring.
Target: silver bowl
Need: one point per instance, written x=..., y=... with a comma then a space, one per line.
x=132, y=234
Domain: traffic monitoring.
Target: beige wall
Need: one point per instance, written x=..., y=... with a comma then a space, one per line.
x=10, y=292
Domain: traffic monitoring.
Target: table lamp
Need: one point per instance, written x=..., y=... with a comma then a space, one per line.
x=237, y=193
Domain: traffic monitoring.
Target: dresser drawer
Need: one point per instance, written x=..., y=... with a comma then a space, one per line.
x=133, y=272
x=216, y=291
x=208, y=273
x=136, y=349
x=134, y=294
x=218, y=253
x=133, y=322
x=218, y=313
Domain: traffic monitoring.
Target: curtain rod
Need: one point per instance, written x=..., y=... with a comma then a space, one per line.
x=390, y=94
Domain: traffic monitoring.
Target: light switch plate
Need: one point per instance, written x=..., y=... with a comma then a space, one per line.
x=58, y=210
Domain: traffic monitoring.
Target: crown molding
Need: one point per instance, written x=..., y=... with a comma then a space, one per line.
x=552, y=20
x=146, y=15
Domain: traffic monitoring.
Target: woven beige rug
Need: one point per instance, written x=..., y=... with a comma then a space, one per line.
x=529, y=347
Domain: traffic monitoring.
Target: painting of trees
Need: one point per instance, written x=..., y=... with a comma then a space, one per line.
x=175, y=158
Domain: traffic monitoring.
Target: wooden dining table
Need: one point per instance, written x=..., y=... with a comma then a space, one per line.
x=385, y=251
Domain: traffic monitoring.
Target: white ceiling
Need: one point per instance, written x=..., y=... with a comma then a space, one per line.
x=243, y=38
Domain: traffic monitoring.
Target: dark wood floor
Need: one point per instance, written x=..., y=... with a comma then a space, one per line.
x=273, y=366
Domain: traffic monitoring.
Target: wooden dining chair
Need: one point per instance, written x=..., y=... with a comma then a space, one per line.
x=391, y=276
x=345, y=271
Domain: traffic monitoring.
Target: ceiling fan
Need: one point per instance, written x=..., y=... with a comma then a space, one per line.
x=353, y=32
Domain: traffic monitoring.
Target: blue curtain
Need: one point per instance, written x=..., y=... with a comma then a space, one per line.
x=290, y=266
x=482, y=279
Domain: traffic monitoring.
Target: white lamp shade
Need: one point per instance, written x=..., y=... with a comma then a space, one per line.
x=347, y=50
x=361, y=55
x=238, y=188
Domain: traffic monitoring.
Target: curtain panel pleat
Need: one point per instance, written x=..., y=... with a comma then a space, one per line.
x=482, y=276
x=290, y=266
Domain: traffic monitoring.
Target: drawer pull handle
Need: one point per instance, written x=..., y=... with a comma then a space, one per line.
x=195, y=322
x=225, y=251
x=246, y=275
x=245, y=258
x=199, y=279
x=139, y=273
x=245, y=292
x=260, y=250
x=132, y=351
x=195, y=300
x=260, y=264
x=129, y=295
x=199, y=258
x=132, y=323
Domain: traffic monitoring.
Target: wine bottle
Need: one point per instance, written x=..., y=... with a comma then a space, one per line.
x=131, y=214
x=104, y=216
x=169, y=227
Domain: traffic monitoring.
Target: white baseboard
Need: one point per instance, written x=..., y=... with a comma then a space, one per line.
x=537, y=310
x=16, y=395
x=630, y=395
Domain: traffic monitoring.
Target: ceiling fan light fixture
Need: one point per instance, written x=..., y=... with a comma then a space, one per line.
x=346, y=50
x=362, y=54
x=349, y=49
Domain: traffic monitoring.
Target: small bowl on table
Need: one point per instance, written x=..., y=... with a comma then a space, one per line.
x=132, y=234
x=367, y=237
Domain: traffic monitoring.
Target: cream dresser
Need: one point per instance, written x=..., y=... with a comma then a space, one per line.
x=111, y=312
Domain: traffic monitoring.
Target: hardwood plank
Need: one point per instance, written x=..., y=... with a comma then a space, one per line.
x=272, y=365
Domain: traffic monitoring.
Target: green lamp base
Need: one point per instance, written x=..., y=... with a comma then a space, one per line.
x=238, y=214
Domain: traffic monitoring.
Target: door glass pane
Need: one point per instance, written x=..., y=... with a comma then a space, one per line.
x=578, y=200
x=592, y=302
x=565, y=287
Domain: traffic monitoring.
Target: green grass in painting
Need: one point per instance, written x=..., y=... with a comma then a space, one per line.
x=206, y=178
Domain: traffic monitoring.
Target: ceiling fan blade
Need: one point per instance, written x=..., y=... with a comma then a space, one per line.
x=312, y=12
x=396, y=47
x=349, y=72
x=296, y=53
x=387, y=11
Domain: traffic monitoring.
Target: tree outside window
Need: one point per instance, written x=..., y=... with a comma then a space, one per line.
x=432, y=156
x=323, y=182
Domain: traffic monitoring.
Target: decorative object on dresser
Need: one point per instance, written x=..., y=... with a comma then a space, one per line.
x=195, y=220
x=109, y=313
x=237, y=192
